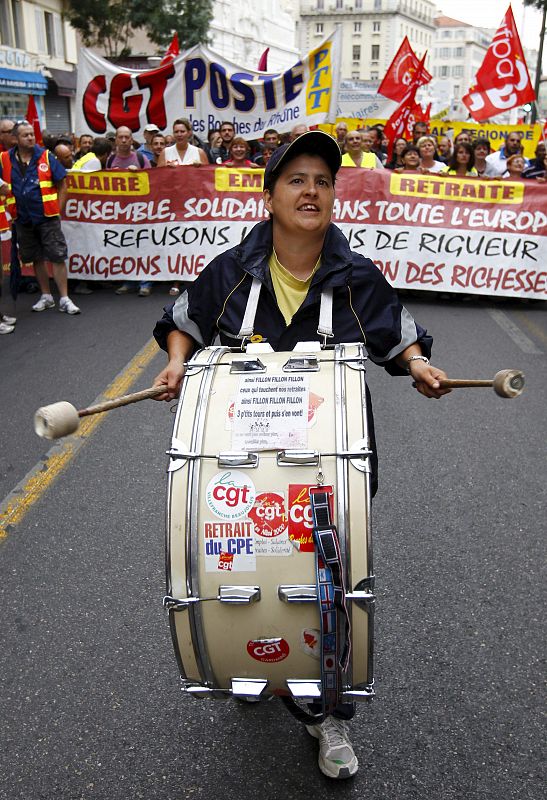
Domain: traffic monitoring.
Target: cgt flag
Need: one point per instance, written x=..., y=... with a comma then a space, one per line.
x=172, y=51
x=502, y=81
x=33, y=118
x=405, y=71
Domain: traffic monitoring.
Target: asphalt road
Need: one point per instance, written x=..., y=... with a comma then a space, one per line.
x=89, y=696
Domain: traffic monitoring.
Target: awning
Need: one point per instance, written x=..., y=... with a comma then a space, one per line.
x=15, y=81
x=65, y=80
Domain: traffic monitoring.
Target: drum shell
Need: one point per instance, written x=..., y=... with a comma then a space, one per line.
x=216, y=642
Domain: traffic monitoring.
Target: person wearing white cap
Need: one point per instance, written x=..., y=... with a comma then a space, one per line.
x=295, y=257
x=148, y=132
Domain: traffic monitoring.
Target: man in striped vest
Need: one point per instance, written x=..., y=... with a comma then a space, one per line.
x=36, y=180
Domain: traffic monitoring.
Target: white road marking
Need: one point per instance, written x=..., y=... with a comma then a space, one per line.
x=514, y=332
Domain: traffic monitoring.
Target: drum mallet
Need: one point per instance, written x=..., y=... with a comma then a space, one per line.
x=506, y=383
x=62, y=419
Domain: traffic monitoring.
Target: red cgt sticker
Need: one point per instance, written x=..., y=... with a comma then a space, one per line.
x=268, y=650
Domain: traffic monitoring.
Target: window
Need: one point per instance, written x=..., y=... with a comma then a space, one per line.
x=375, y=52
x=447, y=34
x=373, y=76
x=357, y=27
x=320, y=5
x=457, y=72
x=358, y=4
x=339, y=4
x=456, y=92
x=376, y=27
x=355, y=76
x=40, y=30
x=11, y=24
x=54, y=34
x=445, y=52
x=18, y=27
x=377, y=5
x=458, y=52
x=319, y=27
x=356, y=52
x=444, y=72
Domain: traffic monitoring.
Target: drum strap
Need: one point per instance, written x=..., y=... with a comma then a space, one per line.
x=333, y=613
x=324, y=328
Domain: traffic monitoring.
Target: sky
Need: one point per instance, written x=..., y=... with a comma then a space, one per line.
x=489, y=14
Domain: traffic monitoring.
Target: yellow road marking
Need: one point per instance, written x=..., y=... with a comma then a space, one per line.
x=40, y=478
x=535, y=329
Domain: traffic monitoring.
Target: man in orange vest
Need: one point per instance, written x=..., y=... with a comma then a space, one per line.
x=36, y=181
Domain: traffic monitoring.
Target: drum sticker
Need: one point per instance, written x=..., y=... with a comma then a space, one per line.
x=314, y=401
x=310, y=641
x=269, y=651
x=300, y=517
x=229, y=546
x=269, y=517
x=230, y=495
x=271, y=412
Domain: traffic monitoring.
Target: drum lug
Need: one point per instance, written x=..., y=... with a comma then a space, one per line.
x=303, y=593
x=197, y=690
x=301, y=364
x=248, y=688
x=359, y=455
x=304, y=690
x=179, y=455
x=237, y=459
x=247, y=365
x=297, y=458
x=238, y=595
x=359, y=695
x=364, y=600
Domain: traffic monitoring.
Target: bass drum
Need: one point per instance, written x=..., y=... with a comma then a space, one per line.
x=253, y=432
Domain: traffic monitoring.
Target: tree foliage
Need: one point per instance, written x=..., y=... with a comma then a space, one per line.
x=540, y=4
x=110, y=25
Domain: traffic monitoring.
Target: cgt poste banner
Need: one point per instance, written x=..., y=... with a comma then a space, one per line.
x=207, y=89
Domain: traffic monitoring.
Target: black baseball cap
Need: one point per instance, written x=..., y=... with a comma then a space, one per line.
x=315, y=143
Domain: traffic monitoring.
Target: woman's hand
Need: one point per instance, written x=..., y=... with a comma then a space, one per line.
x=426, y=378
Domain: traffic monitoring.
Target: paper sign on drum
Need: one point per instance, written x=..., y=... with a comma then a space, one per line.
x=229, y=546
x=269, y=517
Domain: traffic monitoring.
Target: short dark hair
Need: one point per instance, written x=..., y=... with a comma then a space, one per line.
x=481, y=142
x=410, y=148
x=183, y=121
x=101, y=146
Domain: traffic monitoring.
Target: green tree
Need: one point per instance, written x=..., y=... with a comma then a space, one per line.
x=110, y=25
x=189, y=18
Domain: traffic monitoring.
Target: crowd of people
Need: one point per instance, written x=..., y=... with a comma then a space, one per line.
x=35, y=221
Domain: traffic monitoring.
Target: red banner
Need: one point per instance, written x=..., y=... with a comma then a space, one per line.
x=405, y=73
x=502, y=81
x=423, y=231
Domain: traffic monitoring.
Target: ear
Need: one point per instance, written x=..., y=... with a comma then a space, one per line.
x=266, y=194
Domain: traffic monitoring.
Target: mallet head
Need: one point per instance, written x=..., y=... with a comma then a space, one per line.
x=509, y=382
x=57, y=420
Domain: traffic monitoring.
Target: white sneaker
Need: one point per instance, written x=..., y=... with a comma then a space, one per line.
x=6, y=328
x=8, y=320
x=68, y=307
x=45, y=302
x=336, y=756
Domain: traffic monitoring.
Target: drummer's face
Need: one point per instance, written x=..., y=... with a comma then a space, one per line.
x=303, y=196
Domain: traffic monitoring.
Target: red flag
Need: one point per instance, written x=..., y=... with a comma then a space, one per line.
x=33, y=119
x=502, y=81
x=172, y=51
x=263, y=63
x=405, y=70
x=401, y=121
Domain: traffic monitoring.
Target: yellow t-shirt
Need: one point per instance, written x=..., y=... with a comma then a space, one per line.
x=290, y=292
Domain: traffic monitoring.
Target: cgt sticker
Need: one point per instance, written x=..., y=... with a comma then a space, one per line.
x=310, y=641
x=300, y=517
x=269, y=651
x=269, y=519
x=230, y=495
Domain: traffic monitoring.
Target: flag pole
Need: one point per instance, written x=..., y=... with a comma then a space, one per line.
x=539, y=66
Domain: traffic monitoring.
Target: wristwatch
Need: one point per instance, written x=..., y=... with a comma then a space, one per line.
x=415, y=358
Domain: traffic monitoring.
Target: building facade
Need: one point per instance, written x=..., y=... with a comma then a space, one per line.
x=38, y=55
x=372, y=31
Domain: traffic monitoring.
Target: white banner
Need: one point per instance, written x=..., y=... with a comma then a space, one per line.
x=208, y=90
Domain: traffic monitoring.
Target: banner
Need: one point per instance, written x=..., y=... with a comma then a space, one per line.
x=422, y=231
x=405, y=74
x=360, y=100
x=208, y=90
x=502, y=81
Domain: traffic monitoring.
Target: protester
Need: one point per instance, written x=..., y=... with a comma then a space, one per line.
x=444, y=149
x=396, y=161
x=297, y=131
x=367, y=145
x=239, y=151
x=411, y=159
x=341, y=131
x=543, y=178
x=227, y=133
x=97, y=157
x=481, y=150
x=354, y=155
x=419, y=129
x=84, y=146
x=462, y=138
x=182, y=153
x=124, y=157
x=157, y=146
x=63, y=153
x=294, y=258
x=427, y=147
x=512, y=146
x=37, y=182
x=515, y=167
x=146, y=148
x=213, y=147
x=376, y=135
x=536, y=165
x=462, y=161
x=269, y=140
x=267, y=153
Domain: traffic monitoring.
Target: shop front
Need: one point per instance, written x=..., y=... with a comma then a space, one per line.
x=19, y=79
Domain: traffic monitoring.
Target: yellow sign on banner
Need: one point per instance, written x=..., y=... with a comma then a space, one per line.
x=238, y=180
x=110, y=183
x=447, y=189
